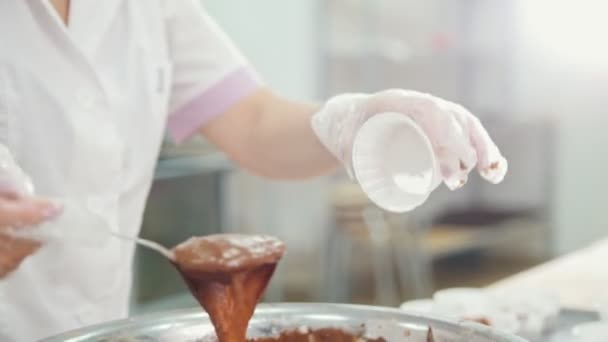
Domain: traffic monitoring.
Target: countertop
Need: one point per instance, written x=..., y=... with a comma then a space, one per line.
x=579, y=278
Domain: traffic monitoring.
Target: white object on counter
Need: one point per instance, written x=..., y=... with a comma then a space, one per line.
x=579, y=279
x=394, y=162
x=475, y=304
x=536, y=310
x=418, y=306
x=525, y=313
x=462, y=302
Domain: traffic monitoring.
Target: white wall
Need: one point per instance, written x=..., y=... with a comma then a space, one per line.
x=279, y=38
x=559, y=74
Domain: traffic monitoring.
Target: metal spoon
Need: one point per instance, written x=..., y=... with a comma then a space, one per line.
x=152, y=245
x=32, y=234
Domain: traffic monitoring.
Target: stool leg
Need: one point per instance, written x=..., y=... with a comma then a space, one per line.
x=344, y=285
x=329, y=265
x=424, y=270
x=337, y=267
x=382, y=262
x=413, y=264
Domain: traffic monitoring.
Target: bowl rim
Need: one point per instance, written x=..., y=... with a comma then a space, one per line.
x=170, y=317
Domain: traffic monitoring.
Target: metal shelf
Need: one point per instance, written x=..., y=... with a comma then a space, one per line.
x=191, y=165
x=444, y=241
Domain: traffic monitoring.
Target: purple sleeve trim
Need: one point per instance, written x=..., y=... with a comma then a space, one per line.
x=211, y=103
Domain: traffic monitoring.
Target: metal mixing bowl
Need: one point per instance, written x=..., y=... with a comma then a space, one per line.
x=270, y=319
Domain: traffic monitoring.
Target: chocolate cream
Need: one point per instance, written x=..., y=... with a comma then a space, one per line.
x=319, y=335
x=227, y=274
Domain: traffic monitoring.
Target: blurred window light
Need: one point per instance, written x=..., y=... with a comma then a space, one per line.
x=569, y=31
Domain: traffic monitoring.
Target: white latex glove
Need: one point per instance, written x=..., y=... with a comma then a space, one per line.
x=12, y=179
x=18, y=209
x=459, y=140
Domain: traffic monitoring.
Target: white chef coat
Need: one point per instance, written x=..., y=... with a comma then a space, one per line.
x=83, y=109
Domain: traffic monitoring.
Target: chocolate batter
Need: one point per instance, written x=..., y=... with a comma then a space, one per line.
x=319, y=335
x=331, y=335
x=228, y=274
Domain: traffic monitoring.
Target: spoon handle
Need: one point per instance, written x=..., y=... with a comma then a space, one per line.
x=155, y=246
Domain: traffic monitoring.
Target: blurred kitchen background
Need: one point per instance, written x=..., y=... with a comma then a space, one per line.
x=534, y=71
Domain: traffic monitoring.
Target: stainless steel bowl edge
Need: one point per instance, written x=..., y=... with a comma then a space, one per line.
x=270, y=317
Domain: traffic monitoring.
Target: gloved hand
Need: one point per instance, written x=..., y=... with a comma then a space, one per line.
x=459, y=140
x=18, y=209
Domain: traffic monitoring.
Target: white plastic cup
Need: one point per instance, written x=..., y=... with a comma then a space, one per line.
x=394, y=162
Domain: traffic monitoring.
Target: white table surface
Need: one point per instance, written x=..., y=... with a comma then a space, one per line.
x=579, y=278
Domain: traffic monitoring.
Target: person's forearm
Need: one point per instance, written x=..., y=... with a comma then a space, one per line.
x=285, y=139
x=272, y=137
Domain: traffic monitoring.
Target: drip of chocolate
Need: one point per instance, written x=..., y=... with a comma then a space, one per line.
x=227, y=274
